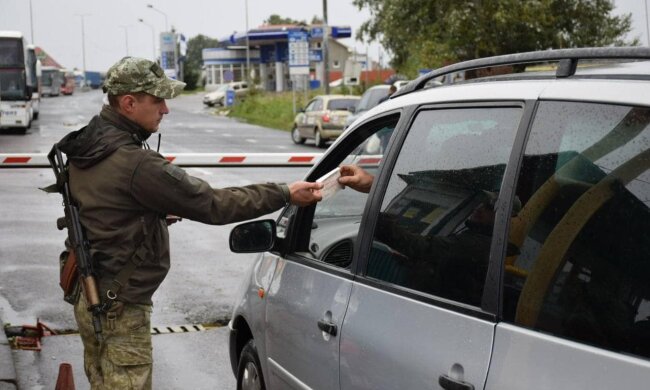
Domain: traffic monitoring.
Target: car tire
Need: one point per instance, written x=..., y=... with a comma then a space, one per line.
x=318, y=139
x=249, y=370
x=295, y=136
x=36, y=115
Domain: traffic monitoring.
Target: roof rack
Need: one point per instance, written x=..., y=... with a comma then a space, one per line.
x=567, y=58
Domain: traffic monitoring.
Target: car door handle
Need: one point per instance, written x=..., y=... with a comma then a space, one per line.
x=327, y=327
x=452, y=384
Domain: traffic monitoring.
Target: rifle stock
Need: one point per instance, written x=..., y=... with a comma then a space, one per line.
x=77, y=239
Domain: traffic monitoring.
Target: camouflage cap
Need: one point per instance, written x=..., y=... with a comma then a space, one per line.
x=131, y=74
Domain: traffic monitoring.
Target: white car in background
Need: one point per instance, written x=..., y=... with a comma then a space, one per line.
x=218, y=96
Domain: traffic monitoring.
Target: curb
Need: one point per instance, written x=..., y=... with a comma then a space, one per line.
x=8, y=379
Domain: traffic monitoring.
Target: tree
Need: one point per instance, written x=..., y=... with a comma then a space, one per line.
x=194, y=58
x=426, y=34
x=275, y=20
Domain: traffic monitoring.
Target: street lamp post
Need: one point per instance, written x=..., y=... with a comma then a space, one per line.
x=83, y=47
x=162, y=13
x=31, y=20
x=153, y=37
x=326, y=76
x=647, y=25
x=126, y=38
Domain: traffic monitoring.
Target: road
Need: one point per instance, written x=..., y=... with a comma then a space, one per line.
x=204, y=276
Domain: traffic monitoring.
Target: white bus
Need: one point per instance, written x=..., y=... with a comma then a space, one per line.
x=51, y=81
x=16, y=83
x=34, y=72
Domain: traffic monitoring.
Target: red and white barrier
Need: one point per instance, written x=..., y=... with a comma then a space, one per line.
x=39, y=160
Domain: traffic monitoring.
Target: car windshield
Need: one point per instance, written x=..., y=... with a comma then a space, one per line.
x=222, y=88
x=371, y=98
x=341, y=104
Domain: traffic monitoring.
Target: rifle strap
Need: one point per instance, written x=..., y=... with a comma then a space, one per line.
x=122, y=277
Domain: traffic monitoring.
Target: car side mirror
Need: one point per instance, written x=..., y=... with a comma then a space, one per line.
x=251, y=237
x=352, y=109
x=301, y=109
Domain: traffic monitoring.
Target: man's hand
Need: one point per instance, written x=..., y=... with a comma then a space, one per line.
x=356, y=178
x=304, y=193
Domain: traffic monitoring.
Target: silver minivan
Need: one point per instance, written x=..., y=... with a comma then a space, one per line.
x=504, y=243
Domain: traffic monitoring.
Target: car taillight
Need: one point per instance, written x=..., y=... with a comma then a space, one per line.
x=326, y=117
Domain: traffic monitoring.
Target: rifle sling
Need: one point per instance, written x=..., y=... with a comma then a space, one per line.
x=122, y=277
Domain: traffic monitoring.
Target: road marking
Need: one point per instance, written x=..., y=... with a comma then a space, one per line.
x=252, y=141
x=177, y=329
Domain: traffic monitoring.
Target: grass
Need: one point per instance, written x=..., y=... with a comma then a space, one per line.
x=273, y=110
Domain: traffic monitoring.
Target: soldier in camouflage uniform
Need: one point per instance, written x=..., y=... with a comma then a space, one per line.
x=124, y=192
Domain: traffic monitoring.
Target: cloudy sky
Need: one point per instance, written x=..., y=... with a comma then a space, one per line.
x=112, y=25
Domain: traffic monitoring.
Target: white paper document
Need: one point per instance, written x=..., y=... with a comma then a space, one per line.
x=330, y=183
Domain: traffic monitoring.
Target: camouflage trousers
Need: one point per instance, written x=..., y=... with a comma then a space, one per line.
x=123, y=360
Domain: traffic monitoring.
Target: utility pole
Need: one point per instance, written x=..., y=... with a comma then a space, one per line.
x=326, y=76
x=248, y=51
x=647, y=25
x=126, y=38
x=83, y=47
x=31, y=20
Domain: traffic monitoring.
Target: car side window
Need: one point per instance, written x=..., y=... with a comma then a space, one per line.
x=318, y=105
x=583, y=269
x=310, y=106
x=434, y=230
x=335, y=224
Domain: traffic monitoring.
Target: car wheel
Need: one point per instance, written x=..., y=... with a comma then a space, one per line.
x=36, y=115
x=318, y=139
x=295, y=135
x=249, y=370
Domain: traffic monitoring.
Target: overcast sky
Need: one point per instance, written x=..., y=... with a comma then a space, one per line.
x=110, y=24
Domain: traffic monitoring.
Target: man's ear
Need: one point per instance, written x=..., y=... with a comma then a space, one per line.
x=127, y=103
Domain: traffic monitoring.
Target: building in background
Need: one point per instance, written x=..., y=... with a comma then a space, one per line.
x=268, y=56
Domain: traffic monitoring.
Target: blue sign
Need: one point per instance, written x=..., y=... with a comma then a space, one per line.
x=317, y=32
x=230, y=98
x=315, y=55
x=228, y=76
x=422, y=72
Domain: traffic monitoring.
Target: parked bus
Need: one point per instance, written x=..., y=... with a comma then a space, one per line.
x=34, y=72
x=16, y=82
x=51, y=81
x=68, y=81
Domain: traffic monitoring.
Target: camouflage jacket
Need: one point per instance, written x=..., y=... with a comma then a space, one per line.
x=124, y=192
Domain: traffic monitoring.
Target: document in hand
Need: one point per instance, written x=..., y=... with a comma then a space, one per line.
x=330, y=183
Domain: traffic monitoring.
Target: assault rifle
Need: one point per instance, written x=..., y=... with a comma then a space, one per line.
x=77, y=239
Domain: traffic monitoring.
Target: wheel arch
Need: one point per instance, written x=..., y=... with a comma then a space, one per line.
x=240, y=335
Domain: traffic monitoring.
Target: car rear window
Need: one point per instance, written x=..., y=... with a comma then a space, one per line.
x=341, y=104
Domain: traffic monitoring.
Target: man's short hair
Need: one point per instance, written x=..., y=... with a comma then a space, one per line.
x=114, y=100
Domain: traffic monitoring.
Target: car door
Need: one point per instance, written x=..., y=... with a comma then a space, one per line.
x=576, y=302
x=415, y=319
x=308, y=297
x=304, y=125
